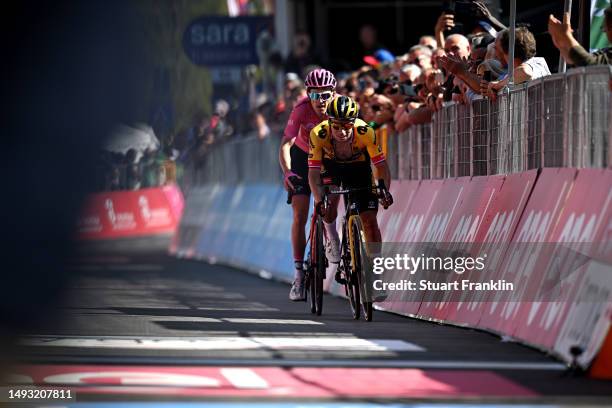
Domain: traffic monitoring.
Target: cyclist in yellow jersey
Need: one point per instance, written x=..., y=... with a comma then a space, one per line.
x=345, y=147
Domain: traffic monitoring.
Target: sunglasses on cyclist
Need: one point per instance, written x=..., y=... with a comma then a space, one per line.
x=324, y=96
x=341, y=125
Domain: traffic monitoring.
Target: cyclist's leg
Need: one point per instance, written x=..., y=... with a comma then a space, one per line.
x=300, y=202
x=359, y=175
x=329, y=221
x=370, y=225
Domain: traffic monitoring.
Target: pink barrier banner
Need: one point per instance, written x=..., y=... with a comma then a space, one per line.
x=444, y=209
x=582, y=227
x=519, y=265
x=500, y=216
x=392, y=219
x=410, y=228
x=124, y=214
x=392, y=222
x=469, y=218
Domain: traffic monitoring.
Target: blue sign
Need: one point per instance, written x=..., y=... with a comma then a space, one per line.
x=218, y=41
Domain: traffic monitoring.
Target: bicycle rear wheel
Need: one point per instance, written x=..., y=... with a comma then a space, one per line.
x=351, y=287
x=319, y=266
x=309, y=284
x=316, y=270
x=362, y=264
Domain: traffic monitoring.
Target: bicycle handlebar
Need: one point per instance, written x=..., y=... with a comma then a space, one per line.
x=381, y=186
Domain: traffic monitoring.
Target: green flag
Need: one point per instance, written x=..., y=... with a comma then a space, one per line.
x=598, y=38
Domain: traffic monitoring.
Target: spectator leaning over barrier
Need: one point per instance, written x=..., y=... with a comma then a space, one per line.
x=457, y=47
x=526, y=65
x=466, y=72
x=571, y=50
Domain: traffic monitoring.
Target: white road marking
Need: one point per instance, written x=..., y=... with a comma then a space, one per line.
x=135, y=267
x=269, y=321
x=251, y=308
x=309, y=343
x=338, y=362
x=182, y=319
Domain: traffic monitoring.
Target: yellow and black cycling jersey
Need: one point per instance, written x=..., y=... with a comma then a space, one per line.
x=365, y=145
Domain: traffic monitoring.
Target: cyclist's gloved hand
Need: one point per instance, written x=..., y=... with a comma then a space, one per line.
x=290, y=179
x=386, y=199
x=320, y=208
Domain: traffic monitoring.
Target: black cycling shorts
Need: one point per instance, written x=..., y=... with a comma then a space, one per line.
x=299, y=165
x=353, y=175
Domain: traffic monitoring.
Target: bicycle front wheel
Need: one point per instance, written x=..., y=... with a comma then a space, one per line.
x=361, y=263
x=351, y=287
x=318, y=268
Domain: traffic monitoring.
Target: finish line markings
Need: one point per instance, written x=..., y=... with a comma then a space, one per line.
x=230, y=343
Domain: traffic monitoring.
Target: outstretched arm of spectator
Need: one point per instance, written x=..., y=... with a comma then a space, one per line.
x=561, y=34
x=459, y=69
x=571, y=50
x=445, y=22
x=403, y=122
x=483, y=12
x=420, y=115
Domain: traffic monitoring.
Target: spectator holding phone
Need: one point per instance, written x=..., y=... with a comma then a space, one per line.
x=466, y=17
x=526, y=65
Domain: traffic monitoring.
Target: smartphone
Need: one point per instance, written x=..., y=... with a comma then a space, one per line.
x=487, y=76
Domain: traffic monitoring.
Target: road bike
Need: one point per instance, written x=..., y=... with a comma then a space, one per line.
x=355, y=262
x=316, y=264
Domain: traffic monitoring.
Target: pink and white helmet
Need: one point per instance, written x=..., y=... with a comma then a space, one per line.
x=320, y=78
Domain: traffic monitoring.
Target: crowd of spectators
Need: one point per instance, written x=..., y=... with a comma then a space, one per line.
x=135, y=170
x=468, y=56
x=404, y=90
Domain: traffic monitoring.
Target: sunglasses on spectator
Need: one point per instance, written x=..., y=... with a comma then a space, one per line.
x=324, y=96
x=341, y=125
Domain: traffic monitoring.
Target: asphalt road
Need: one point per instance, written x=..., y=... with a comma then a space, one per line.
x=142, y=326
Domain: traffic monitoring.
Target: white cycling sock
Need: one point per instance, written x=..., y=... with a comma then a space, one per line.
x=332, y=233
x=299, y=271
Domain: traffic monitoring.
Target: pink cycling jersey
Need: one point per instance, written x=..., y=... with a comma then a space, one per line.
x=301, y=121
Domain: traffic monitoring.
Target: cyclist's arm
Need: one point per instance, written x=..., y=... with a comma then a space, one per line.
x=284, y=157
x=291, y=132
x=314, y=180
x=377, y=156
x=381, y=171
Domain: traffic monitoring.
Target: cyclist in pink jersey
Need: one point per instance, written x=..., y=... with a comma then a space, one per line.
x=293, y=156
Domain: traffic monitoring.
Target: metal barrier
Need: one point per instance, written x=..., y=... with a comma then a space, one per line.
x=242, y=160
x=561, y=120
